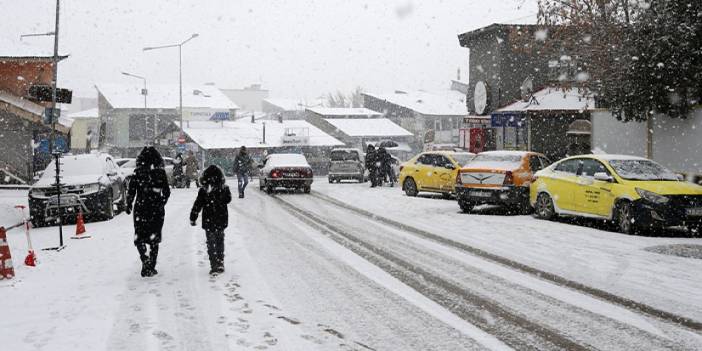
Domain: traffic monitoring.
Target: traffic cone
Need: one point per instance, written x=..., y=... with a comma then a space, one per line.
x=31, y=259
x=80, y=227
x=6, y=269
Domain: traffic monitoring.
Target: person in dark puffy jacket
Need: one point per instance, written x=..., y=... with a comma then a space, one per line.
x=149, y=186
x=242, y=168
x=212, y=199
x=372, y=165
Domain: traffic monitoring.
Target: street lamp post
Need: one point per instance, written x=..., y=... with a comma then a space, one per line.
x=54, y=115
x=180, y=71
x=145, y=92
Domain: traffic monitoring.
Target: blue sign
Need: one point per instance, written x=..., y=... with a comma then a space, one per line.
x=220, y=116
x=508, y=119
x=60, y=144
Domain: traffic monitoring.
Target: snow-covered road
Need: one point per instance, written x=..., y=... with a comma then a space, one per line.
x=304, y=274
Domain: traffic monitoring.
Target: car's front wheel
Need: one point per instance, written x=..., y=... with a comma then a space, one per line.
x=624, y=218
x=465, y=206
x=544, y=207
x=410, y=187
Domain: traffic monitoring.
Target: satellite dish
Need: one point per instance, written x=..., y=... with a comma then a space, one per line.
x=527, y=89
x=480, y=97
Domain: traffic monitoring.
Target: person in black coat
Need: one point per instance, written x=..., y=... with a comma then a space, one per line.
x=212, y=199
x=371, y=165
x=149, y=185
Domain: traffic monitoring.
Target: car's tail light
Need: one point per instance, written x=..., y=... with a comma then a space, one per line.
x=308, y=173
x=459, y=181
x=275, y=173
x=509, y=179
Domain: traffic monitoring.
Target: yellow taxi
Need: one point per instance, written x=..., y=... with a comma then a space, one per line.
x=433, y=171
x=632, y=192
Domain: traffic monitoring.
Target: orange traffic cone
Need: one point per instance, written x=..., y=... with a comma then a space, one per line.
x=31, y=259
x=80, y=227
x=6, y=269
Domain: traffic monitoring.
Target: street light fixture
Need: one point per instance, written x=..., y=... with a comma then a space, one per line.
x=180, y=70
x=145, y=92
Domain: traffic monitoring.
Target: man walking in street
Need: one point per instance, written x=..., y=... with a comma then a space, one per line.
x=191, y=169
x=242, y=169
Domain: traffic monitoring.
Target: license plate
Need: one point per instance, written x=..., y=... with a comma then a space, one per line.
x=290, y=175
x=481, y=193
x=694, y=211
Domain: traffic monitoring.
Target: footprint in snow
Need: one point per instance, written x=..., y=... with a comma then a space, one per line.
x=269, y=339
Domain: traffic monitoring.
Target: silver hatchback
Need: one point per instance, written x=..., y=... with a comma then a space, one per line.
x=346, y=164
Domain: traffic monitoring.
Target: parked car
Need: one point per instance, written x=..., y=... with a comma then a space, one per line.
x=92, y=183
x=498, y=178
x=433, y=171
x=129, y=164
x=285, y=171
x=345, y=164
x=631, y=192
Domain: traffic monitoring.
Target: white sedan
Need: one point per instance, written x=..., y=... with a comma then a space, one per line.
x=285, y=171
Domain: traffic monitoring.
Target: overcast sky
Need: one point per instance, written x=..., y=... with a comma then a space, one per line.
x=294, y=48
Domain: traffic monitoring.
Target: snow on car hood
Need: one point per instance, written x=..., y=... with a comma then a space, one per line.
x=48, y=180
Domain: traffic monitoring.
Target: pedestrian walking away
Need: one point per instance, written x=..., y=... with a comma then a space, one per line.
x=148, y=193
x=242, y=168
x=371, y=165
x=212, y=200
x=385, y=161
x=191, y=169
x=178, y=176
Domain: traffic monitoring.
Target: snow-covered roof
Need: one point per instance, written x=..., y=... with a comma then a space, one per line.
x=90, y=113
x=286, y=104
x=555, y=99
x=36, y=47
x=165, y=96
x=344, y=111
x=368, y=127
x=234, y=134
x=439, y=103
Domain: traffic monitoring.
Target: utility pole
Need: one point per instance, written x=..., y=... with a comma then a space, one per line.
x=52, y=138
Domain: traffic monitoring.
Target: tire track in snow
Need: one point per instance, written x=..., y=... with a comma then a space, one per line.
x=515, y=330
x=601, y=294
x=359, y=310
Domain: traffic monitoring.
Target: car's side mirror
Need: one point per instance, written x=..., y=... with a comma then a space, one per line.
x=680, y=177
x=603, y=177
x=449, y=166
x=111, y=174
x=260, y=166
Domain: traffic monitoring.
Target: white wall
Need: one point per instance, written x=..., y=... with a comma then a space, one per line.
x=615, y=137
x=677, y=143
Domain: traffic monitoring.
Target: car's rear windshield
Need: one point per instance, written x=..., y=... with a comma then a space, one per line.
x=641, y=170
x=500, y=161
x=344, y=155
x=462, y=158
